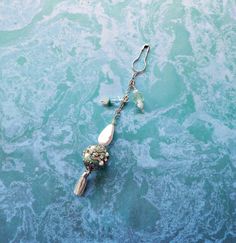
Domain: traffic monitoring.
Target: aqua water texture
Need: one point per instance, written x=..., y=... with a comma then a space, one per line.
x=172, y=170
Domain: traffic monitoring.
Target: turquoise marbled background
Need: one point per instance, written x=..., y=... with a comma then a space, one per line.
x=172, y=172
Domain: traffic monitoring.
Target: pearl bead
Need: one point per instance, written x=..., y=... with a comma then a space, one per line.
x=106, y=135
x=101, y=163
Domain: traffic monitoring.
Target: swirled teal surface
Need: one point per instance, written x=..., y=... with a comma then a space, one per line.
x=172, y=170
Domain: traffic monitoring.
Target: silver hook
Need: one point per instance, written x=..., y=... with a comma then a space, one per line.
x=136, y=72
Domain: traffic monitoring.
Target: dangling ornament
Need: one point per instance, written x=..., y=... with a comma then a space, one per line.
x=81, y=183
x=138, y=99
x=96, y=156
x=106, y=135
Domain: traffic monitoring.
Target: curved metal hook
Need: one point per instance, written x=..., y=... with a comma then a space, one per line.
x=136, y=72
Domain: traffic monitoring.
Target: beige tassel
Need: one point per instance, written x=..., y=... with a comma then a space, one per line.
x=81, y=184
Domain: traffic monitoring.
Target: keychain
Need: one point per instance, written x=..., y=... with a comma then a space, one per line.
x=96, y=156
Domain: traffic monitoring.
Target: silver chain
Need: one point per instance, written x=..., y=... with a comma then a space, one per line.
x=131, y=85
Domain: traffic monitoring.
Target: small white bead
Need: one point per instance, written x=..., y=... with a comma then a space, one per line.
x=101, y=163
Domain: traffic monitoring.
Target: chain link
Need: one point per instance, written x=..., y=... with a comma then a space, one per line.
x=131, y=85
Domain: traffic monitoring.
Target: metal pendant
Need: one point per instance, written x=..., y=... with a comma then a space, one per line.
x=94, y=158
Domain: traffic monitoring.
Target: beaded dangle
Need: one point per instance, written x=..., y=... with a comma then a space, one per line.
x=96, y=156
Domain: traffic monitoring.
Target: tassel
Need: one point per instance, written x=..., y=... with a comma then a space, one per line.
x=81, y=183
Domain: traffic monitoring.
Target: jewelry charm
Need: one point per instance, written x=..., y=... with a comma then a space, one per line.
x=96, y=156
x=106, y=101
x=138, y=99
x=110, y=101
x=106, y=135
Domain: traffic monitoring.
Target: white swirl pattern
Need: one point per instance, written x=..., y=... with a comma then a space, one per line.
x=172, y=172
